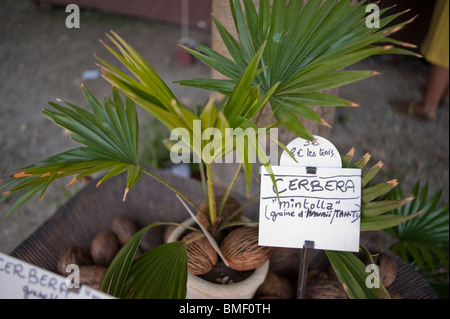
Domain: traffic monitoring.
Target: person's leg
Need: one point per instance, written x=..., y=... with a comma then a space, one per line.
x=446, y=95
x=436, y=89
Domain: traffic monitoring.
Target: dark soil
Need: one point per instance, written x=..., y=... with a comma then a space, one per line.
x=221, y=274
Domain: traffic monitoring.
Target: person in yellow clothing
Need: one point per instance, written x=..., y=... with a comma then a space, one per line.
x=435, y=50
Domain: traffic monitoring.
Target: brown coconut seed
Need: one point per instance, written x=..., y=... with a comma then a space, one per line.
x=72, y=256
x=388, y=270
x=104, y=248
x=325, y=289
x=124, y=229
x=201, y=255
x=92, y=275
x=241, y=250
x=277, y=286
x=284, y=261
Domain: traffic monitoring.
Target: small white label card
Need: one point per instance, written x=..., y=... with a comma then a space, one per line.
x=21, y=280
x=319, y=204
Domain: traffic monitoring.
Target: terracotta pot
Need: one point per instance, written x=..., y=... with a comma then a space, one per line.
x=198, y=288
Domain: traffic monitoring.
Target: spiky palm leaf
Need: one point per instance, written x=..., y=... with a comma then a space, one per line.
x=425, y=238
x=109, y=137
x=159, y=273
x=374, y=207
x=305, y=49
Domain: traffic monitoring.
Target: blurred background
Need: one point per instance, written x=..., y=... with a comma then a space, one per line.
x=41, y=60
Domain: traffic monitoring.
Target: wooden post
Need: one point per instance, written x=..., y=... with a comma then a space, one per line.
x=303, y=269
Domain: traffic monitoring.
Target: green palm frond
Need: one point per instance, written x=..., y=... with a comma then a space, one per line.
x=425, y=238
x=109, y=137
x=351, y=272
x=305, y=50
x=374, y=208
x=160, y=273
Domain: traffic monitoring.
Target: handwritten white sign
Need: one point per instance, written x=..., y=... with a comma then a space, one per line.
x=21, y=280
x=319, y=204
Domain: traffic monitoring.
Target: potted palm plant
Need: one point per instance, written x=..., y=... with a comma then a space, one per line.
x=285, y=55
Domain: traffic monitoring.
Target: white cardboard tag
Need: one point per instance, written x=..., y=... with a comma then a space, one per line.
x=21, y=280
x=319, y=204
